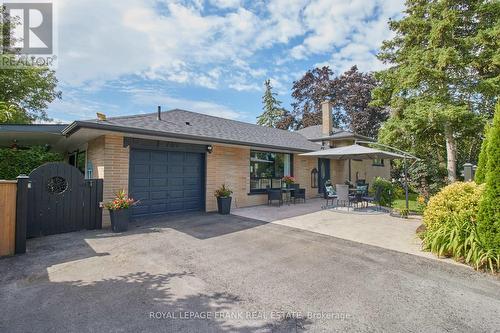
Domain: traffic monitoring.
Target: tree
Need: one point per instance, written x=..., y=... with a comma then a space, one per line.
x=350, y=95
x=273, y=112
x=25, y=92
x=480, y=175
x=445, y=55
x=488, y=221
x=14, y=162
x=353, y=96
x=308, y=92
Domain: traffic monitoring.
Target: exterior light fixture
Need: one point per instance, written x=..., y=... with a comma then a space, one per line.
x=210, y=148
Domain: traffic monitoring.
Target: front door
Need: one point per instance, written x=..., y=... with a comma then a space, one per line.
x=324, y=173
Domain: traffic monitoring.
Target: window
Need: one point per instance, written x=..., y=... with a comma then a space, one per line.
x=378, y=162
x=267, y=169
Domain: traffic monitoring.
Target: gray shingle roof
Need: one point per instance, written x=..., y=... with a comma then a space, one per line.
x=192, y=125
x=316, y=133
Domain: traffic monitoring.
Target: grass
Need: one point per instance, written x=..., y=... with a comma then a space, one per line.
x=412, y=203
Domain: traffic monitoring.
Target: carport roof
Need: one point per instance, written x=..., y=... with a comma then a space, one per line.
x=189, y=125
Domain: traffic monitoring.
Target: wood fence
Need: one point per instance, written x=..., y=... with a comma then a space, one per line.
x=8, y=194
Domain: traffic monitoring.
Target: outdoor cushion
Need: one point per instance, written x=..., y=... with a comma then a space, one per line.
x=330, y=191
x=361, y=189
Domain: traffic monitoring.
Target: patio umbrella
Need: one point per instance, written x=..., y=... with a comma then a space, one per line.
x=356, y=151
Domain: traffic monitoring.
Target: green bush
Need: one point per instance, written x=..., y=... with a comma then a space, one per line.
x=450, y=219
x=480, y=175
x=489, y=207
x=458, y=200
x=14, y=162
x=458, y=238
x=387, y=195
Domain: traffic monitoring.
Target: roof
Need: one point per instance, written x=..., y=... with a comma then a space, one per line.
x=33, y=128
x=196, y=126
x=315, y=133
x=354, y=151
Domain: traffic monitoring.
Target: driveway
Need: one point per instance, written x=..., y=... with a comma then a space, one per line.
x=212, y=273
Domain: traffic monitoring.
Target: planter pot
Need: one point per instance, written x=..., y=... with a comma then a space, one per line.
x=119, y=219
x=224, y=205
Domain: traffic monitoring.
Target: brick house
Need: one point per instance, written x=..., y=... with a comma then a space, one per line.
x=173, y=161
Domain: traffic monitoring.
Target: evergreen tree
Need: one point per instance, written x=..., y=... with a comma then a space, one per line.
x=444, y=59
x=272, y=107
x=488, y=221
x=480, y=175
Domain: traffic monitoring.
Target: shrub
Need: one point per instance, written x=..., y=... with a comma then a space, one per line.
x=458, y=200
x=14, y=162
x=451, y=228
x=480, y=175
x=458, y=238
x=489, y=207
x=387, y=195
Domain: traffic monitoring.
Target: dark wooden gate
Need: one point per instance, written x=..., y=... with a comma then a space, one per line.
x=61, y=200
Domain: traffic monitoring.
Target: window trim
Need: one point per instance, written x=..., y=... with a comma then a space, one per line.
x=381, y=164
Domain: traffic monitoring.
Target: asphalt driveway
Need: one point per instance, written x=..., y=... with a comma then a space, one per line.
x=212, y=273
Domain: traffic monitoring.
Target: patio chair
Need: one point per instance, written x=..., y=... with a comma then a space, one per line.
x=295, y=188
x=299, y=193
x=342, y=194
x=329, y=194
x=274, y=195
x=376, y=198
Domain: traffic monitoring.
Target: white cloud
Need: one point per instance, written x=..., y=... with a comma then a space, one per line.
x=183, y=42
x=150, y=97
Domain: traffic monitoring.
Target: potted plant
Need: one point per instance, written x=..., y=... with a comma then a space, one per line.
x=288, y=180
x=223, y=195
x=119, y=211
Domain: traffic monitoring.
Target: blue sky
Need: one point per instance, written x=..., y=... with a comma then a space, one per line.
x=128, y=56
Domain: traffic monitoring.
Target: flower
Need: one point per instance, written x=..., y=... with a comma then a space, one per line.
x=121, y=201
x=288, y=180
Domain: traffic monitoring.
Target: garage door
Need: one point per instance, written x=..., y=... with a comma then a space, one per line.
x=166, y=181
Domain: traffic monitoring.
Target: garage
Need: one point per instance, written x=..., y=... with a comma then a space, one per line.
x=167, y=180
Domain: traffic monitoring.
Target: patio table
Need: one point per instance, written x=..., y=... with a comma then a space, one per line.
x=288, y=194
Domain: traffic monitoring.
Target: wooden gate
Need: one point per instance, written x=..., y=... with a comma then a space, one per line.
x=61, y=200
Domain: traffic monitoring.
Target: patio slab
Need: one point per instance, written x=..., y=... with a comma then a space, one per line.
x=367, y=227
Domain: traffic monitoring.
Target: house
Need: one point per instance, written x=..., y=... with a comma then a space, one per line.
x=173, y=161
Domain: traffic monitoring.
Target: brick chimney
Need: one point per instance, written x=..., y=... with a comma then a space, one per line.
x=326, y=110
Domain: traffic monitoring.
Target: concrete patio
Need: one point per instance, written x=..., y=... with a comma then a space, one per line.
x=367, y=226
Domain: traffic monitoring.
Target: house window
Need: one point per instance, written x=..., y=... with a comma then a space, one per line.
x=267, y=169
x=378, y=162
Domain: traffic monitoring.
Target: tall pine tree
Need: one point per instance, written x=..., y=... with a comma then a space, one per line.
x=445, y=71
x=273, y=111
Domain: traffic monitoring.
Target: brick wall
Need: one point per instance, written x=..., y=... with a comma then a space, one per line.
x=230, y=166
x=110, y=161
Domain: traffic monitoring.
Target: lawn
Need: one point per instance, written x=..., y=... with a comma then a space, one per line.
x=412, y=203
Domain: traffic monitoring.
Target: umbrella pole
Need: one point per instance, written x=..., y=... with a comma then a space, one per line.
x=349, y=170
x=406, y=182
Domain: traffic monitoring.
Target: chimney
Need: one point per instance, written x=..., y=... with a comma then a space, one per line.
x=326, y=110
x=159, y=113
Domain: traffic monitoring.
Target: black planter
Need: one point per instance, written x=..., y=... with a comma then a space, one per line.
x=119, y=219
x=224, y=205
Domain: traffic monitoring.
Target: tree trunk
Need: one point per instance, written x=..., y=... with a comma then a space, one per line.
x=451, y=153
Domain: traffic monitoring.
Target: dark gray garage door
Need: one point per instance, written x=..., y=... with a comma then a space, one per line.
x=166, y=181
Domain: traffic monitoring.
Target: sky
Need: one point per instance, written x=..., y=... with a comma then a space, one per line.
x=129, y=56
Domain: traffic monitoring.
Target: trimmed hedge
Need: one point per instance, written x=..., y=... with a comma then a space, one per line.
x=14, y=162
x=489, y=207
